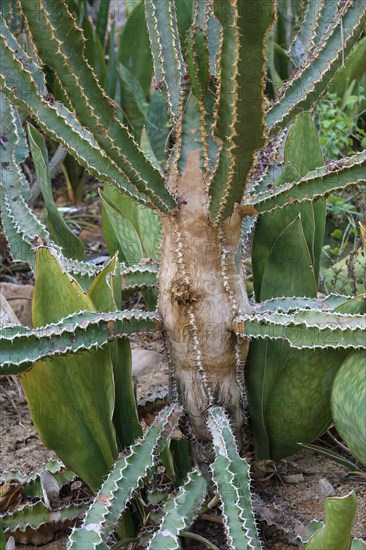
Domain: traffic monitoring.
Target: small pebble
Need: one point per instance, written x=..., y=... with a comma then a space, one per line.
x=326, y=489
x=294, y=478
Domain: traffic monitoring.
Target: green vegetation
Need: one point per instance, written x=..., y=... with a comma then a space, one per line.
x=197, y=165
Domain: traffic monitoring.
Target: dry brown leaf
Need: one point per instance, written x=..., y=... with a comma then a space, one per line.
x=10, y=495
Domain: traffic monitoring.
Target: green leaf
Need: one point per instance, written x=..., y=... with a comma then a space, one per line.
x=303, y=41
x=185, y=11
x=36, y=516
x=127, y=237
x=117, y=490
x=240, y=110
x=57, y=121
x=298, y=407
x=353, y=70
x=179, y=512
x=289, y=389
x=3, y=540
x=146, y=226
x=231, y=477
x=265, y=362
x=150, y=231
x=94, y=52
x=20, y=248
x=288, y=264
x=60, y=232
x=306, y=329
x=328, y=18
x=19, y=223
x=339, y=516
x=21, y=146
x=287, y=244
x=291, y=304
x=105, y=293
x=181, y=458
x=318, y=183
x=8, y=9
x=133, y=277
x=157, y=126
x=102, y=20
x=71, y=398
x=112, y=76
x=191, y=133
x=140, y=276
x=125, y=417
x=19, y=54
x=134, y=47
x=125, y=204
x=306, y=87
x=336, y=457
x=166, y=51
x=133, y=101
x=21, y=347
x=148, y=150
x=92, y=107
x=276, y=80
x=198, y=62
x=348, y=402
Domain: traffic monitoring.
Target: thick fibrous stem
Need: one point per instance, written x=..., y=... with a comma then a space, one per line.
x=202, y=288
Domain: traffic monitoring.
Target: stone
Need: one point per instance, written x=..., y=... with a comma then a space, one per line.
x=144, y=360
x=326, y=489
x=20, y=300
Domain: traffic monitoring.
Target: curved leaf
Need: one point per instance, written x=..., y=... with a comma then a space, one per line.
x=71, y=398
x=303, y=41
x=239, y=125
x=348, y=400
x=179, y=512
x=287, y=244
x=306, y=329
x=59, y=230
x=318, y=183
x=289, y=390
x=21, y=347
x=166, y=50
x=92, y=107
x=231, y=477
x=105, y=293
x=117, y=490
x=339, y=516
x=306, y=87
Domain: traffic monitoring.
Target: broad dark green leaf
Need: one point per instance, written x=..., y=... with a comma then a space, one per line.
x=348, y=401
x=134, y=47
x=133, y=101
x=287, y=244
x=102, y=20
x=289, y=391
x=157, y=126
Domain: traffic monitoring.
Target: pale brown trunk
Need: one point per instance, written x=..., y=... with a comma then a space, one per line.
x=201, y=289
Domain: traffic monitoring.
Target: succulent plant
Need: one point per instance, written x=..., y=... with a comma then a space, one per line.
x=232, y=157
